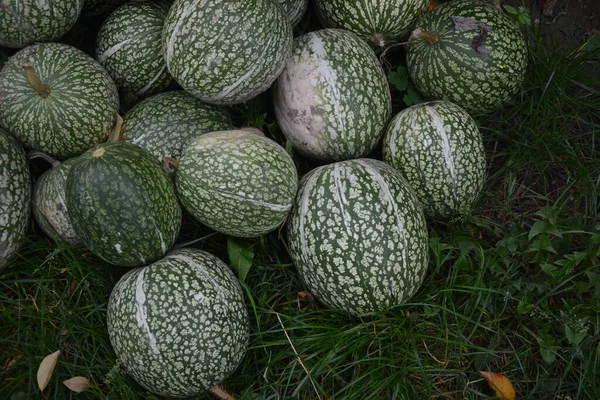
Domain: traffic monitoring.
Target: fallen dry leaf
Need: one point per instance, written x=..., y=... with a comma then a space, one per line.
x=501, y=385
x=46, y=369
x=432, y=4
x=78, y=384
x=305, y=294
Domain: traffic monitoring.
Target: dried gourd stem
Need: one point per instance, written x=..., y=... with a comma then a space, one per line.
x=38, y=154
x=115, y=135
x=382, y=56
x=298, y=357
x=377, y=39
x=220, y=393
x=170, y=164
x=41, y=88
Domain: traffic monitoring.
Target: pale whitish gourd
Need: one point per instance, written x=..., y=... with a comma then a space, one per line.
x=470, y=53
x=129, y=47
x=357, y=236
x=180, y=325
x=15, y=195
x=332, y=100
x=57, y=99
x=237, y=182
x=437, y=147
x=95, y=8
x=24, y=22
x=166, y=123
x=295, y=9
x=49, y=204
x=122, y=204
x=381, y=23
x=226, y=52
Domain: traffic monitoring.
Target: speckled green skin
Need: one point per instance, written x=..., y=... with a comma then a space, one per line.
x=180, y=325
x=332, y=100
x=24, y=22
x=237, y=182
x=94, y=8
x=295, y=9
x=381, y=23
x=437, y=147
x=15, y=195
x=129, y=47
x=122, y=204
x=357, y=236
x=80, y=111
x=450, y=69
x=49, y=204
x=226, y=52
x=166, y=123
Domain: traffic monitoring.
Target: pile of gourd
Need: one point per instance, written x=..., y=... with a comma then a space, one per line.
x=356, y=226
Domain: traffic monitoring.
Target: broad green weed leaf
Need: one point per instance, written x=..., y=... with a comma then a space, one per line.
x=241, y=254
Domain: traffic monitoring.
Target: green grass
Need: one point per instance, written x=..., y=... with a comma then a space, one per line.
x=515, y=289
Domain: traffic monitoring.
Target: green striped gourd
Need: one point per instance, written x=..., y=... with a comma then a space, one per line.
x=96, y=8
x=166, y=123
x=332, y=100
x=180, y=325
x=15, y=195
x=49, y=203
x=244, y=45
x=237, y=182
x=122, y=204
x=470, y=53
x=438, y=148
x=24, y=22
x=129, y=47
x=381, y=23
x=295, y=9
x=57, y=99
x=357, y=236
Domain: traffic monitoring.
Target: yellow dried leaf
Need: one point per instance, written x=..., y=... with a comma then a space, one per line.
x=46, y=369
x=502, y=387
x=432, y=4
x=78, y=384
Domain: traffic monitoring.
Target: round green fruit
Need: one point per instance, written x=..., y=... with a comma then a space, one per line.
x=226, y=52
x=237, y=182
x=122, y=204
x=180, y=325
x=357, y=236
x=437, y=147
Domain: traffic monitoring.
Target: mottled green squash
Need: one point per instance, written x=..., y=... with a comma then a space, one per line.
x=122, y=204
x=166, y=123
x=49, y=203
x=381, y=23
x=226, y=52
x=25, y=22
x=180, y=325
x=332, y=100
x=129, y=47
x=57, y=99
x=357, y=236
x=470, y=53
x=438, y=148
x=295, y=9
x=15, y=196
x=237, y=182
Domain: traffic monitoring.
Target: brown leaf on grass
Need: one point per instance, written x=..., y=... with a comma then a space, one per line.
x=78, y=384
x=46, y=369
x=305, y=294
x=547, y=7
x=432, y=4
x=502, y=387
